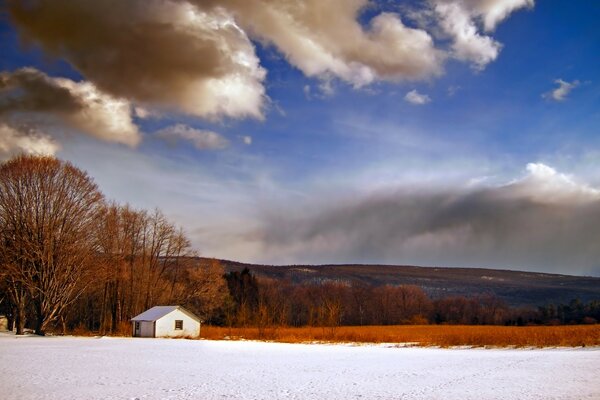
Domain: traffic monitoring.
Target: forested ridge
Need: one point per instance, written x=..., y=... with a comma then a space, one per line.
x=73, y=261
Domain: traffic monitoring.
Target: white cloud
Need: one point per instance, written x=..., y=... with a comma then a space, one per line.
x=78, y=105
x=460, y=19
x=247, y=140
x=544, y=184
x=326, y=87
x=495, y=11
x=417, y=98
x=324, y=39
x=468, y=44
x=101, y=115
x=200, y=139
x=562, y=91
x=142, y=113
x=14, y=141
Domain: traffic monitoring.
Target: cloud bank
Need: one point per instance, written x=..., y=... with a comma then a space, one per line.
x=196, y=56
x=544, y=221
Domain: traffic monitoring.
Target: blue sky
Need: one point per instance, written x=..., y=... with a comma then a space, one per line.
x=318, y=140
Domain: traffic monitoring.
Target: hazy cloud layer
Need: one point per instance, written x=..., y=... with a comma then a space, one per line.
x=78, y=105
x=165, y=53
x=416, y=98
x=200, y=139
x=562, y=91
x=543, y=221
x=15, y=141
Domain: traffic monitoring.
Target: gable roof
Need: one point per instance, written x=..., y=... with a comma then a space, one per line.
x=157, y=312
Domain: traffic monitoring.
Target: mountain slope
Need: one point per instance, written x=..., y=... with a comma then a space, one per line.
x=517, y=288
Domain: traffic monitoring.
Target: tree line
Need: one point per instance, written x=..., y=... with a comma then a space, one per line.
x=69, y=258
x=72, y=260
x=267, y=302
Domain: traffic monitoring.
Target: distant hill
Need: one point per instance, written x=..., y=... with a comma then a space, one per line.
x=517, y=288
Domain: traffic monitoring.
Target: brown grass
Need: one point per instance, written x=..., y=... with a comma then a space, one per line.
x=423, y=335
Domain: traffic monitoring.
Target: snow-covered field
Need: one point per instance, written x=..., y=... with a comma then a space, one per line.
x=112, y=368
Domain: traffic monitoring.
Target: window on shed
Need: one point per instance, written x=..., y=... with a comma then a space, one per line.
x=137, y=326
x=178, y=324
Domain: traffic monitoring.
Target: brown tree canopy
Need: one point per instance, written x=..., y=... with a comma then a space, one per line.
x=48, y=211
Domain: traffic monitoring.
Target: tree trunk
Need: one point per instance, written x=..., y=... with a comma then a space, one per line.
x=39, y=326
x=103, y=310
x=11, y=320
x=40, y=319
x=20, y=319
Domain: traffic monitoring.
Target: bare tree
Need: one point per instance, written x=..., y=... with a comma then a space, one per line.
x=204, y=290
x=143, y=260
x=48, y=209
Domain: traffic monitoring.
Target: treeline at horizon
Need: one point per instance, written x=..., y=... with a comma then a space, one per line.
x=73, y=261
x=264, y=302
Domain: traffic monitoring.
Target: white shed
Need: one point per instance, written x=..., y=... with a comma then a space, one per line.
x=166, y=321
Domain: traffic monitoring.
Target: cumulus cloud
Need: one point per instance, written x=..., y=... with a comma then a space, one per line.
x=79, y=105
x=167, y=53
x=417, y=98
x=15, y=141
x=544, y=221
x=460, y=19
x=562, y=91
x=200, y=139
x=468, y=44
x=325, y=38
x=247, y=140
x=196, y=56
x=544, y=184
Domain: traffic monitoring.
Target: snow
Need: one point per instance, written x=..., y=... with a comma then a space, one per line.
x=132, y=368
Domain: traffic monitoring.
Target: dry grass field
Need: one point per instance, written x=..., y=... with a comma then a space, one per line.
x=424, y=335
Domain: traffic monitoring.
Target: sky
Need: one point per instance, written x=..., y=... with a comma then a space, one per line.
x=439, y=132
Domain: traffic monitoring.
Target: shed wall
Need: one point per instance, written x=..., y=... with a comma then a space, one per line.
x=146, y=329
x=165, y=326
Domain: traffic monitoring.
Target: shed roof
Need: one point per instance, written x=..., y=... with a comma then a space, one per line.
x=157, y=312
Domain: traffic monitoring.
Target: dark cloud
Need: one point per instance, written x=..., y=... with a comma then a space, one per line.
x=544, y=222
x=163, y=52
x=28, y=89
x=78, y=105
